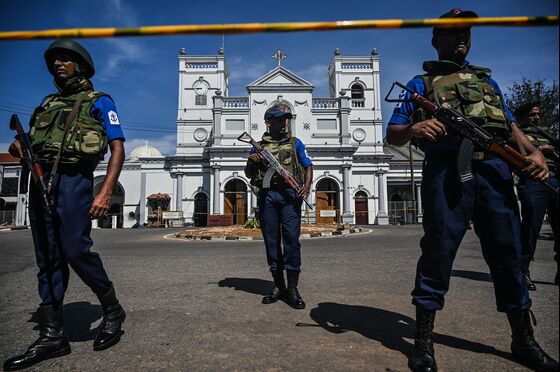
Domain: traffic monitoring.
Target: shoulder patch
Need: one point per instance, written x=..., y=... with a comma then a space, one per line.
x=113, y=118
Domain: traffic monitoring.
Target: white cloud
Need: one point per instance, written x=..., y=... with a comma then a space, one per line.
x=120, y=53
x=243, y=73
x=4, y=146
x=165, y=144
x=316, y=75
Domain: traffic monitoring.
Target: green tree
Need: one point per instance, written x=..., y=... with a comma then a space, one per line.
x=529, y=91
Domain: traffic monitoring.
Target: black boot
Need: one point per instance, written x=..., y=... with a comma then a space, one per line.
x=51, y=343
x=292, y=296
x=279, y=290
x=524, y=347
x=113, y=317
x=423, y=358
x=527, y=275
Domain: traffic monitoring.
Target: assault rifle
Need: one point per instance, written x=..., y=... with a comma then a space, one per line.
x=471, y=134
x=554, y=142
x=274, y=166
x=30, y=161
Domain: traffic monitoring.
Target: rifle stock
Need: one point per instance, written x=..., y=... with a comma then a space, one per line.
x=30, y=161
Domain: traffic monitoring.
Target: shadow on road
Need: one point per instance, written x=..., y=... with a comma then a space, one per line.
x=387, y=327
x=78, y=318
x=250, y=285
x=473, y=275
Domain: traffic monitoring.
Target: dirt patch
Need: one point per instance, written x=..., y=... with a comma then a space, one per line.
x=227, y=231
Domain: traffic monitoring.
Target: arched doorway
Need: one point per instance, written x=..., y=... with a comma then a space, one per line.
x=328, y=206
x=361, y=208
x=235, y=201
x=200, y=216
x=115, y=204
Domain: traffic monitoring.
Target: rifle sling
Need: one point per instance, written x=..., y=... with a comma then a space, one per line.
x=69, y=121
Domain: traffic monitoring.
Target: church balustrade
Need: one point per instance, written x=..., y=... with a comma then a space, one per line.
x=200, y=65
x=358, y=102
x=325, y=103
x=357, y=66
x=234, y=102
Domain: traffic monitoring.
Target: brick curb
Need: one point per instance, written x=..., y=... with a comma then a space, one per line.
x=352, y=230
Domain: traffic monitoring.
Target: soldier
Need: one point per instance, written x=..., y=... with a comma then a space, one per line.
x=536, y=200
x=280, y=205
x=488, y=199
x=69, y=132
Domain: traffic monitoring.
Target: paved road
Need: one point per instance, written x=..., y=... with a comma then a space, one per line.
x=196, y=306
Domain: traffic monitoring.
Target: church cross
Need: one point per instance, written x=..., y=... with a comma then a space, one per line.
x=279, y=56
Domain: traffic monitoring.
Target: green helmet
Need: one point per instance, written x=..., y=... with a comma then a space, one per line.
x=76, y=49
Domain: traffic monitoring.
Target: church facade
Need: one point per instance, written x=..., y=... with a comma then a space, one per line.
x=342, y=132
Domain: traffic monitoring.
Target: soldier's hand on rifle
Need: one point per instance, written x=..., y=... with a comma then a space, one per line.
x=304, y=191
x=256, y=157
x=15, y=149
x=430, y=129
x=536, y=167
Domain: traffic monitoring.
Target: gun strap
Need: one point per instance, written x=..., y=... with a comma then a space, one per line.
x=522, y=148
x=69, y=121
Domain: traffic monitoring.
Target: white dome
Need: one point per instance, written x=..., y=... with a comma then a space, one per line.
x=144, y=151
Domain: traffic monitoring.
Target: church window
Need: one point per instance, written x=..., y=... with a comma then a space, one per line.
x=357, y=95
x=200, y=100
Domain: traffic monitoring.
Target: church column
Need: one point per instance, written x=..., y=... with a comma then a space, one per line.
x=142, y=201
x=216, y=191
x=382, y=217
x=179, y=194
x=347, y=215
x=344, y=118
x=254, y=204
x=217, y=111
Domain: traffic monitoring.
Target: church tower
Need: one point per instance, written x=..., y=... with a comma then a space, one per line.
x=357, y=77
x=200, y=78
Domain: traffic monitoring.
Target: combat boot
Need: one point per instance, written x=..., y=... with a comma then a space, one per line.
x=279, y=290
x=524, y=347
x=113, y=317
x=527, y=276
x=423, y=358
x=292, y=295
x=51, y=343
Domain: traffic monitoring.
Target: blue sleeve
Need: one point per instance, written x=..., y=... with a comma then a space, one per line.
x=302, y=154
x=104, y=110
x=403, y=110
x=499, y=93
x=253, y=150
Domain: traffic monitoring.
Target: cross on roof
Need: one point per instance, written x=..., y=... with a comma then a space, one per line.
x=279, y=56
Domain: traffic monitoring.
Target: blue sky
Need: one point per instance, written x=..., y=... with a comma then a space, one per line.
x=141, y=73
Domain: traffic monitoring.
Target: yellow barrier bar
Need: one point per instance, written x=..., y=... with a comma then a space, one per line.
x=245, y=28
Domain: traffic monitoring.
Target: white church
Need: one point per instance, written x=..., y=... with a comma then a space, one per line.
x=355, y=175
